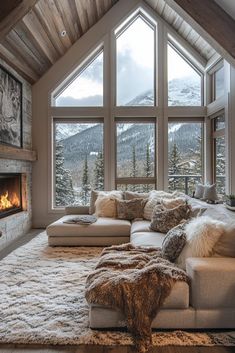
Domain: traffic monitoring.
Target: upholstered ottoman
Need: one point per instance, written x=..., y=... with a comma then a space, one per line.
x=104, y=232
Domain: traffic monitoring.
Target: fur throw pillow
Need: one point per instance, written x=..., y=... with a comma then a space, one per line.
x=164, y=220
x=202, y=234
x=130, y=209
x=105, y=206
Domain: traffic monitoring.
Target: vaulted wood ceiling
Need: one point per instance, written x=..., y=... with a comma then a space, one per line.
x=46, y=29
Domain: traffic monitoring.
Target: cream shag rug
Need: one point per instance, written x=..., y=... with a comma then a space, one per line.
x=42, y=301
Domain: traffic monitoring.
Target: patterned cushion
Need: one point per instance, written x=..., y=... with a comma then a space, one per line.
x=130, y=209
x=174, y=242
x=163, y=221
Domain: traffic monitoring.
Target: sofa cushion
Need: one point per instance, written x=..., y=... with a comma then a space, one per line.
x=96, y=193
x=212, y=282
x=130, y=195
x=130, y=209
x=140, y=226
x=147, y=239
x=174, y=242
x=103, y=227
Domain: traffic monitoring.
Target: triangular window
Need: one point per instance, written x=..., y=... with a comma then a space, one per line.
x=86, y=89
x=184, y=81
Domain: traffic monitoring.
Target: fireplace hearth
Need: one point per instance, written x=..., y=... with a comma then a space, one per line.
x=10, y=194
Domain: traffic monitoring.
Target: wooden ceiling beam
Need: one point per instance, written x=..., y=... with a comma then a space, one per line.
x=15, y=16
x=211, y=22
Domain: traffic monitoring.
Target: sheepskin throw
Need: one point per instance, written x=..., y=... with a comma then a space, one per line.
x=135, y=280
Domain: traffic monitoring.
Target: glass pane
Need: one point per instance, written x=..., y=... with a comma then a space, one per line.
x=135, y=65
x=220, y=122
x=87, y=88
x=135, y=149
x=185, y=149
x=79, y=164
x=219, y=83
x=220, y=164
x=136, y=187
x=184, y=83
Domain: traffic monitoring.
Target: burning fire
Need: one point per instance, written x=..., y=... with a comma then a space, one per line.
x=6, y=203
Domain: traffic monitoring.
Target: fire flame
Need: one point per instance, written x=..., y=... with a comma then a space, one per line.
x=6, y=203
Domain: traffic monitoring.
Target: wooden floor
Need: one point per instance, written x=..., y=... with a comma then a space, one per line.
x=9, y=348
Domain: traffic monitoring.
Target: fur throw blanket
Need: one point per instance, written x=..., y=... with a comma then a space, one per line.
x=135, y=280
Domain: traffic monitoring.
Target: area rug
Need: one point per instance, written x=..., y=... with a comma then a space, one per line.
x=42, y=301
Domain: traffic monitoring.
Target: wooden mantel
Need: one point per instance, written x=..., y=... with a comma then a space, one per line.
x=8, y=152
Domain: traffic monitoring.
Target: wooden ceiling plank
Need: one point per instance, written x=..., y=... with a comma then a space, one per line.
x=211, y=22
x=47, y=18
x=27, y=37
x=19, y=66
x=34, y=26
x=82, y=17
x=15, y=16
x=91, y=12
x=68, y=14
x=99, y=7
x=19, y=49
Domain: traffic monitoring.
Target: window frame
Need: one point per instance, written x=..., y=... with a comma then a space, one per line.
x=75, y=74
x=215, y=134
x=212, y=73
x=137, y=180
x=193, y=120
x=185, y=56
x=66, y=120
x=117, y=33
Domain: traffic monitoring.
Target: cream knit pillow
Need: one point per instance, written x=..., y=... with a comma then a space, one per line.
x=105, y=206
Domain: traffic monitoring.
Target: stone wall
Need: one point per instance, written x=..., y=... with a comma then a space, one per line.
x=14, y=226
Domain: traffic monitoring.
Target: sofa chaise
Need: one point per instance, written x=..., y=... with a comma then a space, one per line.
x=209, y=301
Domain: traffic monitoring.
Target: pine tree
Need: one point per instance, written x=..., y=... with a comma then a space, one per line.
x=63, y=179
x=133, y=167
x=85, y=183
x=99, y=172
x=147, y=167
x=174, y=169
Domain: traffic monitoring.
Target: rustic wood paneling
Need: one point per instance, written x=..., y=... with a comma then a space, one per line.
x=7, y=6
x=41, y=32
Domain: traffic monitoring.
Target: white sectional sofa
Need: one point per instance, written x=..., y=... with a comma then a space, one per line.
x=209, y=301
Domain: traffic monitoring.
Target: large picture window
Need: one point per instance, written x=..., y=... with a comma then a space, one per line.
x=135, y=64
x=135, y=155
x=185, y=155
x=78, y=161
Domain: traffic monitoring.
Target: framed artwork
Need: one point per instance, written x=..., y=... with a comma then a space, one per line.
x=10, y=109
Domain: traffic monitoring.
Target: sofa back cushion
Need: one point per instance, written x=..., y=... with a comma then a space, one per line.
x=130, y=209
x=225, y=246
x=96, y=193
x=130, y=195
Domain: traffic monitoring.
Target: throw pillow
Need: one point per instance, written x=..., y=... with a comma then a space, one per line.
x=199, y=191
x=172, y=203
x=105, y=206
x=163, y=221
x=202, y=234
x=174, y=242
x=130, y=195
x=96, y=193
x=225, y=246
x=210, y=193
x=130, y=209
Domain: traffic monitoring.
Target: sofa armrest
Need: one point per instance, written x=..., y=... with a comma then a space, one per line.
x=77, y=210
x=212, y=282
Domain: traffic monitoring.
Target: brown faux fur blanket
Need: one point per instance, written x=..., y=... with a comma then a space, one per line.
x=135, y=280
